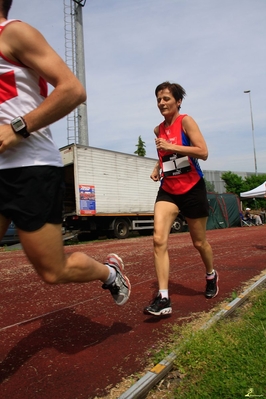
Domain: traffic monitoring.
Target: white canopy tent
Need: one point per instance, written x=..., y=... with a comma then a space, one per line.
x=258, y=192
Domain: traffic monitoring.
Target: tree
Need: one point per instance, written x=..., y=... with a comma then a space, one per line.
x=140, y=151
x=236, y=184
x=250, y=183
x=253, y=181
x=209, y=186
x=233, y=182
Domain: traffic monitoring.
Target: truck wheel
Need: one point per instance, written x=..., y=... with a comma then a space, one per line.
x=121, y=228
x=177, y=226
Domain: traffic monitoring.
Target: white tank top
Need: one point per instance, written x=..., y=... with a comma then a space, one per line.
x=21, y=91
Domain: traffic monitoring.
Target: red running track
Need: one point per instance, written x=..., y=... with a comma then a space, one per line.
x=73, y=342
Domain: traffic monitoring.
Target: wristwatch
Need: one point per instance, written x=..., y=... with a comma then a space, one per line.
x=19, y=127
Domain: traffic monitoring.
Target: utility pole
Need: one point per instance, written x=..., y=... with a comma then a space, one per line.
x=253, y=135
x=77, y=121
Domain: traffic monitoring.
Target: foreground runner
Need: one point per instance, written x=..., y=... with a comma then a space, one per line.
x=31, y=170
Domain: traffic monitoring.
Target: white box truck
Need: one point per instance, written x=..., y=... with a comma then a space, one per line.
x=108, y=193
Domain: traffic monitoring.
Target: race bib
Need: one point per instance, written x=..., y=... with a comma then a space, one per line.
x=175, y=164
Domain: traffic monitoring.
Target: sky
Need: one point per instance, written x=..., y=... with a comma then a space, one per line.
x=215, y=49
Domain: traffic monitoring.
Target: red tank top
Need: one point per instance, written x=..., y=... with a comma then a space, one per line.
x=179, y=173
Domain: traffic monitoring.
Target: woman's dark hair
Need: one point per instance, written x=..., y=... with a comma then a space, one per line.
x=5, y=6
x=177, y=91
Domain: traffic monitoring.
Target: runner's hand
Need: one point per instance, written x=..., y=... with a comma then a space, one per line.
x=162, y=144
x=8, y=138
x=155, y=176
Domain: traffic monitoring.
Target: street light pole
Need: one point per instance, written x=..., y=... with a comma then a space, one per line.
x=253, y=136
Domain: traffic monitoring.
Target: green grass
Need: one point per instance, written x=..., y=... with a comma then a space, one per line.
x=227, y=361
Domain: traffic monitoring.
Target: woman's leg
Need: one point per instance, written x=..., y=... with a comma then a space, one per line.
x=197, y=230
x=164, y=216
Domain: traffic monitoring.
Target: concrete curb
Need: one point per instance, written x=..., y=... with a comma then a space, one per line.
x=157, y=373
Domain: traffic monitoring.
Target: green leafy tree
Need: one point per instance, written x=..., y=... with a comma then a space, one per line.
x=140, y=151
x=233, y=182
x=209, y=186
x=253, y=181
x=236, y=184
x=250, y=183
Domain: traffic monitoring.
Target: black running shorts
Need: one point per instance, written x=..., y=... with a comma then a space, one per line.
x=32, y=196
x=193, y=204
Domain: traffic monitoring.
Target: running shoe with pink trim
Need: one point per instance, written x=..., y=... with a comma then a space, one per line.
x=120, y=288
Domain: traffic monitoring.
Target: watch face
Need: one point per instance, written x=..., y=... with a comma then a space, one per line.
x=18, y=124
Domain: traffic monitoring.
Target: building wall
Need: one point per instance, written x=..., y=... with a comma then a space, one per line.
x=214, y=177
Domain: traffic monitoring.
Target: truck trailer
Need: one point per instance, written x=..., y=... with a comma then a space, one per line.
x=108, y=193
